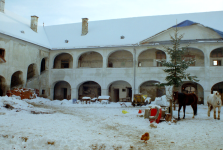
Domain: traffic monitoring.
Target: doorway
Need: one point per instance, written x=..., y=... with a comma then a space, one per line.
x=129, y=93
x=1, y=92
x=116, y=95
x=64, y=91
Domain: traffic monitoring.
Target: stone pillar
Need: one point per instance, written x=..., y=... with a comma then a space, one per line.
x=104, y=91
x=207, y=87
x=104, y=61
x=74, y=93
x=47, y=63
x=206, y=93
x=135, y=64
x=51, y=93
x=168, y=57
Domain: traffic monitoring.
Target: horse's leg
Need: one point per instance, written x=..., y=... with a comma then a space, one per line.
x=219, y=110
x=209, y=109
x=179, y=111
x=184, y=107
x=193, y=106
x=214, y=112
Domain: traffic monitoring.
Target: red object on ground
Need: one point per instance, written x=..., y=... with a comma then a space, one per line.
x=22, y=92
x=153, y=113
x=140, y=111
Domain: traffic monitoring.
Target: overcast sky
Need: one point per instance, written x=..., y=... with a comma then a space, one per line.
x=53, y=12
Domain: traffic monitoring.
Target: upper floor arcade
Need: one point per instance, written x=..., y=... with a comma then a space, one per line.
x=140, y=57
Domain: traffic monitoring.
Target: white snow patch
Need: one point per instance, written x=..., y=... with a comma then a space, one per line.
x=87, y=126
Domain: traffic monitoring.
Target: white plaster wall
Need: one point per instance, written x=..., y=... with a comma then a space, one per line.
x=19, y=55
x=189, y=32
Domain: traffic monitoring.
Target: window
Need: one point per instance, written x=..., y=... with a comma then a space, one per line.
x=64, y=63
x=2, y=52
x=216, y=62
x=43, y=65
x=110, y=64
x=217, y=53
x=190, y=89
x=160, y=55
x=2, y=56
x=43, y=92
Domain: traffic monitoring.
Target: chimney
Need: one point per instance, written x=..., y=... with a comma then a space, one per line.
x=34, y=23
x=84, y=26
x=2, y=6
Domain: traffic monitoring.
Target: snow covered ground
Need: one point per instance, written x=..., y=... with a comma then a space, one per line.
x=96, y=126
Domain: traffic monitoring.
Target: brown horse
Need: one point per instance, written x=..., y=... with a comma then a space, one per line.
x=186, y=99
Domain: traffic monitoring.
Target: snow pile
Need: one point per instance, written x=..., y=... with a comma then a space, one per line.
x=15, y=102
x=97, y=126
x=86, y=98
x=148, y=99
x=161, y=101
x=103, y=97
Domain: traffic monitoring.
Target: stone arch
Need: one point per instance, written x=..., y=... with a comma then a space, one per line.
x=193, y=87
x=31, y=71
x=149, y=57
x=216, y=57
x=195, y=53
x=2, y=86
x=151, y=90
x=62, y=90
x=90, y=59
x=17, y=79
x=120, y=91
x=218, y=87
x=120, y=59
x=89, y=89
x=63, y=60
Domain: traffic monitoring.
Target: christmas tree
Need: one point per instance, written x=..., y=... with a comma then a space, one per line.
x=178, y=64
